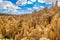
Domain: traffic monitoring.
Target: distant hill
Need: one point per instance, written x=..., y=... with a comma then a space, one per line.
x=4, y=14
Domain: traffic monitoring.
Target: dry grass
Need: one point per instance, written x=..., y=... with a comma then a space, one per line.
x=41, y=25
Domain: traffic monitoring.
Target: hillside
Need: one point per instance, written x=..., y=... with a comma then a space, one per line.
x=41, y=25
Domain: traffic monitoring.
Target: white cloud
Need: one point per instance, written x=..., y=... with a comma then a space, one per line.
x=13, y=8
x=29, y=2
x=41, y=1
x=42, y=6
x=21, y=2
x=33, y=0
x=9, y=7
x=24, y=3
x=18, y=3
x=58, y=3
x=59, y=0
x=50, y=2
x=35, y=8
x=0, y=0
x=29, y=8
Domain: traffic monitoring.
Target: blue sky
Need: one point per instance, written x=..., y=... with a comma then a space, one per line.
x=13, y=1
x=23, y=6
